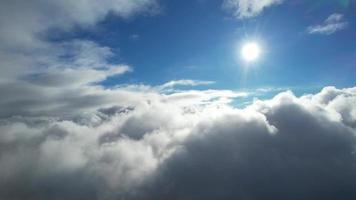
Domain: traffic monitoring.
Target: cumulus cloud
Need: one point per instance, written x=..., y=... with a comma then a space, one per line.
x=248, y=8
x=332, y=24
x=168, y=150
x=277, y=148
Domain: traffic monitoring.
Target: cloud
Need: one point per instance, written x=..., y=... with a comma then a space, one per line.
x=169, y=150
x=332, y=24
x=184, y=82
x=248, y=8
x=65, y=79
x=49, y=77
x=27, y=29
x=77, y=62
x=171, y=84
x=21, y=21
x=272, y=149
x=134, y=37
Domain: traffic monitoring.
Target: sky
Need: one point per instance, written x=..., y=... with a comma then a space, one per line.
x=169, y=99
x=200, y=40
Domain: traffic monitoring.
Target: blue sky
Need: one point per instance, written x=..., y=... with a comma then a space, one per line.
x=199, y=40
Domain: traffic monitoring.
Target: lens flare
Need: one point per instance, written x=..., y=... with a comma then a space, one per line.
x=250, y=51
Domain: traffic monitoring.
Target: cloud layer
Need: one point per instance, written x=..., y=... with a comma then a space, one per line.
x=165, y=149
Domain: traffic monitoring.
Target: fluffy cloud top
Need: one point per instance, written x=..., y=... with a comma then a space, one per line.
x=332, y=24
x=275, y=148
x=248, y=8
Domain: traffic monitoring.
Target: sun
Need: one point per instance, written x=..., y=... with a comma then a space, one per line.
x=250, y=51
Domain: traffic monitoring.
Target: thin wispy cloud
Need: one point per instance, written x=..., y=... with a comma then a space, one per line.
x=185, y=82
x=135, y=37
x=332, y=24
x=248, y=8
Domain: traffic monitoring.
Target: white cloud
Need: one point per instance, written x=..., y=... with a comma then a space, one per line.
x=163, y=145
x=185, y=82
x=248, y=8
x=332, y=24
x=26, y=27
x=38, y=75
x=22, y=21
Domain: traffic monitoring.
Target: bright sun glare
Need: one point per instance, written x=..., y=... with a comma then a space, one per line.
x=250, y=51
